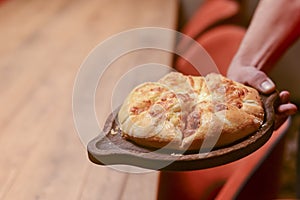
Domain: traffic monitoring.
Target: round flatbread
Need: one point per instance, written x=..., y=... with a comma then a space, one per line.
x=182, y=112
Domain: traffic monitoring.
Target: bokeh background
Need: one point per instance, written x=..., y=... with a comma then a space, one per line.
x=42, y=45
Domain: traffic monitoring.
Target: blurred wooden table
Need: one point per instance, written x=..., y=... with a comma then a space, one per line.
x=42, y=46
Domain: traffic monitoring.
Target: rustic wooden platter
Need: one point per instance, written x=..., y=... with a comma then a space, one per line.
x=109, y=148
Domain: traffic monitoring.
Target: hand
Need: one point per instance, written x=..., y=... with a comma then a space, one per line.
x=255, y=78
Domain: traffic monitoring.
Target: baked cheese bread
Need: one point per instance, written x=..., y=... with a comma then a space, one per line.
x=181, y=112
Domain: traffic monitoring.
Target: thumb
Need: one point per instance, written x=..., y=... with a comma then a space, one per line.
x=261, y=82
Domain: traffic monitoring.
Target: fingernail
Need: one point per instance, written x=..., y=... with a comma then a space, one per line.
x=267, y=85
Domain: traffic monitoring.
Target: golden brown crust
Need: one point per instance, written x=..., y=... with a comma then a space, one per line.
x=151, y=116
x=189, y=112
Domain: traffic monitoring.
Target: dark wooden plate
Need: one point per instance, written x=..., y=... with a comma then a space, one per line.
x=110, y=148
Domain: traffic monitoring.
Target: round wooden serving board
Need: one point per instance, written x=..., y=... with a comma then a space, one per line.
x=110, y=148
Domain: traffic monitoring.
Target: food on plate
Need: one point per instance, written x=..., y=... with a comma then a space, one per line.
x=190, y=112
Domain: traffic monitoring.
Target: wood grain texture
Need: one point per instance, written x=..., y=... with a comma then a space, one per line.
x=42, y=46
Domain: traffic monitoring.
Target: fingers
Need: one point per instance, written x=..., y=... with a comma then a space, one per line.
x=261, y=82
x=253, y=77
x=287, y=109
x=283, y=112
x=267, y=86
x=284, y=97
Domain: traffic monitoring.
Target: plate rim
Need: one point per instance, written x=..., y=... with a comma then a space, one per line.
x=187, y=161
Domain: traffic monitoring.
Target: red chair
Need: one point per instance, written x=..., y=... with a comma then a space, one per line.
x=253, y=177
x=221, y=41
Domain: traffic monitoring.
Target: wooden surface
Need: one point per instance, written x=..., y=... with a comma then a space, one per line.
x=42, y=46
